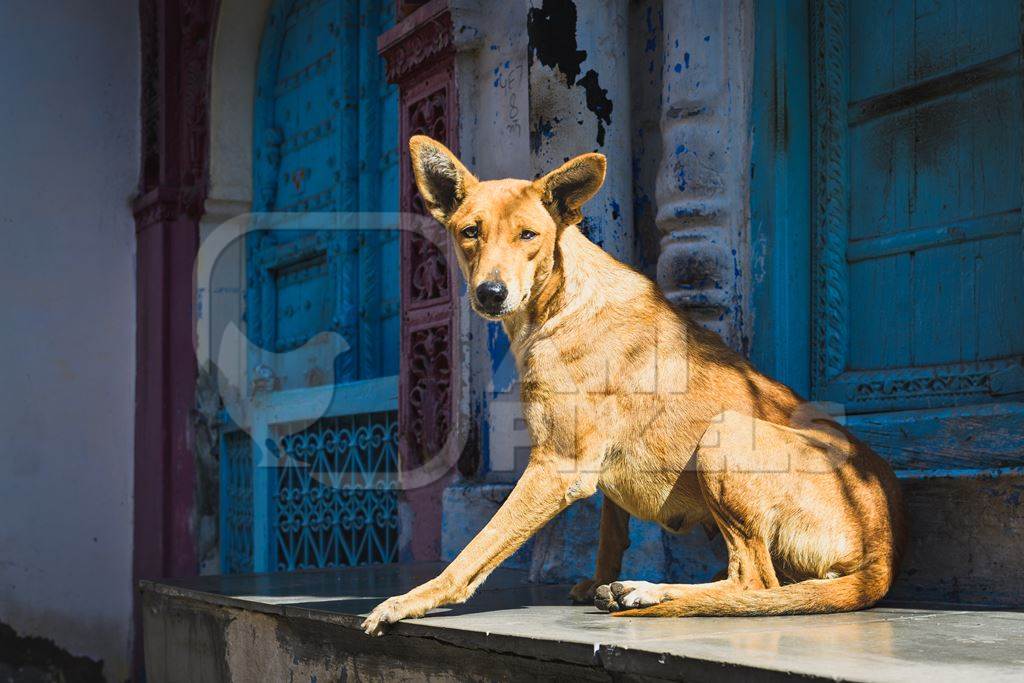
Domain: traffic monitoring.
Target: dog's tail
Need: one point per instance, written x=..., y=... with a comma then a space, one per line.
x=854, y=591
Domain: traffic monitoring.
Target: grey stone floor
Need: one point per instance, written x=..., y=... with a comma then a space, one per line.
x=887, y=643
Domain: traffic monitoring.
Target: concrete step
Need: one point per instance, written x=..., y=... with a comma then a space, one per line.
x=304, y=627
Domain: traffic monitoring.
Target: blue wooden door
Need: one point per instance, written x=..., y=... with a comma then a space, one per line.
x=917, y=284
x=321, y=304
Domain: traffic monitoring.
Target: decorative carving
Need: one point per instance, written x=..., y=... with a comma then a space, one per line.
x=176, y=52
x=428, y=382
x=150, y=105
x=419, y=52
x=426, y=44
x=940, y=384
x=420, y=59
x=830, y=189
x=701, y=185
x=158, y=206
x=336, y=504
x=427, y=265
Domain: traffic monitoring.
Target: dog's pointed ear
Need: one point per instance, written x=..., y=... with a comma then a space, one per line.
x=569, y=186
x=441, y=178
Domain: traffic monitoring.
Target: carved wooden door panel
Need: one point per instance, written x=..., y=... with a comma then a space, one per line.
x=917, y=284
x=321, y=302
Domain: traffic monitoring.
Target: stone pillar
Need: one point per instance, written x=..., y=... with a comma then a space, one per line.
x=176, y=39
x=702, y=190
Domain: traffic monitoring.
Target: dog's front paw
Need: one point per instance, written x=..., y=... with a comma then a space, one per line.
x=627, y=595
x=384, y=614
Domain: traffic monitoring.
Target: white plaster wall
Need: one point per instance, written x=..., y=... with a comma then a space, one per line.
x=69, y=116
x=492, y=72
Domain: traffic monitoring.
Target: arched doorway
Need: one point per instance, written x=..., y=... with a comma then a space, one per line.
x=313, y=487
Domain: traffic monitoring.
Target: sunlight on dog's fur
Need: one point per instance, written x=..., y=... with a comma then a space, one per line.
x=624, y=394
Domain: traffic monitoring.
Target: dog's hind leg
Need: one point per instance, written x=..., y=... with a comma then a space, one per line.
x=750, y=568
x=751, y=477
x=799, y=496
x=613, y=542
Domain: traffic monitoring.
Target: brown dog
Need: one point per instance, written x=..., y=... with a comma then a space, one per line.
x=625, y=394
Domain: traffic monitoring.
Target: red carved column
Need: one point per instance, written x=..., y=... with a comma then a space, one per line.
x=420, y=56
x=176, y=37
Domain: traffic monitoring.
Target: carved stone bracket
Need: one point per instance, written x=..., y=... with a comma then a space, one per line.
x=702, y=185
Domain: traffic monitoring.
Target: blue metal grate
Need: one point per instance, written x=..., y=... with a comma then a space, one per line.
x=236, y=503
x=336, y=503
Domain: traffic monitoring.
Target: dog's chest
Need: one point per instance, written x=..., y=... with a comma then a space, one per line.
x=647, y=491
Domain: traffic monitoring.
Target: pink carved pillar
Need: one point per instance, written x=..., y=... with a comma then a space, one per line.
x=176, y=39
x=420, y=56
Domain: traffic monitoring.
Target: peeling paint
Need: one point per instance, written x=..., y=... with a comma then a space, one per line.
x=552, y=31
x=552, y=38
x=597, y=102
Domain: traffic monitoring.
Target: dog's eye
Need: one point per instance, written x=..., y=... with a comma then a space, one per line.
x=527, y=235
x=471, y=232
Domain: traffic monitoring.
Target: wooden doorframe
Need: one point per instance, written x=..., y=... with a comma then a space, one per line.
x=780, y=194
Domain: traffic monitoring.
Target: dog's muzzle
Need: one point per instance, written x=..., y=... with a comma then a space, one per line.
x=491, y=295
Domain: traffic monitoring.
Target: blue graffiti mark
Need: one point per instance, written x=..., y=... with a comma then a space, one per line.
x=707, y=39
x=505, y=65
x=502, y=372
x=678, y=67
x=681, y=177
x=615, y=209
x=681, y=149
x=677, y=42
x=686, y=59
x=494, y=47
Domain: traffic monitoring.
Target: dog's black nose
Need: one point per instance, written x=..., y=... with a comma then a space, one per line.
x=491, y=295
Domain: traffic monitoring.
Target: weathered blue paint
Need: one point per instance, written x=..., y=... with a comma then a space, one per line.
x=236, y=503
x=325, y=139
x=919, y=299
x=985, y=436
x=916, y=294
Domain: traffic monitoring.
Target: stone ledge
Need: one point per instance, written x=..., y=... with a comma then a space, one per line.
x=305, y=625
